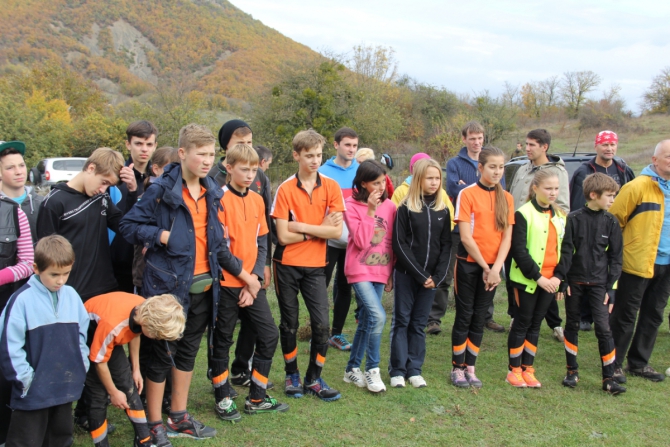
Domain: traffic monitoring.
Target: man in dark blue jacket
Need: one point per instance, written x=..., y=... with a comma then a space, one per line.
x=461, y=172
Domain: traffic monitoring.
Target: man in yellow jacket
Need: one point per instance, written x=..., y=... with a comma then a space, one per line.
x=643, y=210
x=441, y=299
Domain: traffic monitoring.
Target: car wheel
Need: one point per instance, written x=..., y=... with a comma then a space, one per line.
x=34, y=176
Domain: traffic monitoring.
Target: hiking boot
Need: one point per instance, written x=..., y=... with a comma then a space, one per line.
x=356, y=377
x=571, y=379
x=189, y=427
x=433, y=328
x=515, y=378
x=320, y=389
x=293, y=385
x=267, y=405
x=227, y=410
x=648, y=373
x=619, y=376
x=495, y=327
x=458, y=378
x=244, y=379
x=558, y=334
x=528, y=375
x=584, y=326
x=417, y=382
x=374, y=381
x=612, y=387
x=472, y=378
x=398, y=382
x=159, y=436
x=339, y=342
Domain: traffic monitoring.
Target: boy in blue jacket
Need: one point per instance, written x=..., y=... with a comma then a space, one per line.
x=43, y=350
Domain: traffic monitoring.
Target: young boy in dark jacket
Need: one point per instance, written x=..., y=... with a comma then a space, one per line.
x=590, y=264
x=177, y=221
x=43, y=350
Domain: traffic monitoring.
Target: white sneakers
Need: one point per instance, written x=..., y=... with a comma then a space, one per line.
x=398, y=382
x=558, y=334
x=417, y=381
x=374, y=380
x=356, y=377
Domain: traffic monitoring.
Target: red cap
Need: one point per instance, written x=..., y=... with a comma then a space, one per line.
x=606, y=136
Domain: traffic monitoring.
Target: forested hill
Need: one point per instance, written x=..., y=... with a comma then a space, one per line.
x=127, y=45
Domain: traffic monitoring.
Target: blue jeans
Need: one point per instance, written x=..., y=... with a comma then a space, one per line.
x=371, y=320
x=411, y=307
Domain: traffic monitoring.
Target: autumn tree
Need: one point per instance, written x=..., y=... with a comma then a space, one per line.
x=574, y=88
x=657, y=98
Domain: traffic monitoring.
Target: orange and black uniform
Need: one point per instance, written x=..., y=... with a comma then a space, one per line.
x=112, y=326
x=301, y=267
x=245, y=227
x=476, y=206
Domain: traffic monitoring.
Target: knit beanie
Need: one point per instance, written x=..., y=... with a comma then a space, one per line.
x=416, y=157
x=227, y=130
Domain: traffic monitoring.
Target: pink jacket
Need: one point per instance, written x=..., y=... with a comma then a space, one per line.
x=369, y=251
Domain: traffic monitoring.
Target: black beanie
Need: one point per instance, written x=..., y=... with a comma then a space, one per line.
x=226, y=132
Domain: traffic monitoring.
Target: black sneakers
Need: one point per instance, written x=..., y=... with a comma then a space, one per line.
x=320, y=389
x=619, y=376
x=227, y=410
x=267, y=405
x=189, y=427
x=159, y=436
x=571, y=379
x=612, y=387
x=648, y=373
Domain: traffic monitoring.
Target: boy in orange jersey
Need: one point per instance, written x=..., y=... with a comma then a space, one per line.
x=117, y=319
x=245, y=227
x=307, y=210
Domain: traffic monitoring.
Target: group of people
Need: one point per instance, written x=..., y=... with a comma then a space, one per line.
x=194, y=242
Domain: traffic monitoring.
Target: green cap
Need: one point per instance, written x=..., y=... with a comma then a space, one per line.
x=18, y=145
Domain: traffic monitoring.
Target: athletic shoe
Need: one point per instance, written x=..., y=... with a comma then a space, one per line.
x=189, y=428
x=571, y=379
x=320, y=389
x=612, y=387
x=619, y=376
x=558, y=334
x=244, y=379
x=529, y=377
x=159, y=436
x=458, y=378
x=495, y=327
x=293, y=385
x=227, y=410
x=340, y=342
x=584, y=326
x=267, y=405
x=356, y=377
x=472, y=378
x=433, y=328
x=374, y=381
x=515, y=378
x=136, y=443
x=417, y=382
x=398, y=382
x=648, y=373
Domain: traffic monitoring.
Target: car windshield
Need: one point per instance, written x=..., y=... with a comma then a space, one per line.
x=68, y=165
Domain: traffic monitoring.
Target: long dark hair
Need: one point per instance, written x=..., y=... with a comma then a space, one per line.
x=368, y=171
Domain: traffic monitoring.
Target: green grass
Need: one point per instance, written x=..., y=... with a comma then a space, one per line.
x=496, y=415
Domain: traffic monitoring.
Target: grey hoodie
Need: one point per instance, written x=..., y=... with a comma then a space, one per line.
x=31, y=206
x=524, y=176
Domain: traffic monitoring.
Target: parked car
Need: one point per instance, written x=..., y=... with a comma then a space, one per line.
x=50, y=171
x=572, y=160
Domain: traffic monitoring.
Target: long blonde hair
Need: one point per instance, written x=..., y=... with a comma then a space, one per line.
x=502, y=207
x=414, y=198
x=540, y=176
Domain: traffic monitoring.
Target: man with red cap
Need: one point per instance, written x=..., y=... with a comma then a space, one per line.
x=605, y=162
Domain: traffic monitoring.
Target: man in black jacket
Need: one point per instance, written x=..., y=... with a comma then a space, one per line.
x=606, y=163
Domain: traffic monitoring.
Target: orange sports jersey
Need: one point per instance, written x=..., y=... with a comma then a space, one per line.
x=111, y=312
x=243, y=220
x=476, y=205
x=199, y=215
x=293, y=203
x=551, y=253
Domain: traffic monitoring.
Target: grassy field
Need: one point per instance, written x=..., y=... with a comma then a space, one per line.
x=496, y=415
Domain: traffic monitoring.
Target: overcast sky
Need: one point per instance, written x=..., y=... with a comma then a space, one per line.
x=470, y=46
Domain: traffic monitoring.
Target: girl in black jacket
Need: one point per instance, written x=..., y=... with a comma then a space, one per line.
x=422, y=245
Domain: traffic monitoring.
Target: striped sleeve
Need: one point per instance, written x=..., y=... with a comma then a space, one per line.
x=24, y=254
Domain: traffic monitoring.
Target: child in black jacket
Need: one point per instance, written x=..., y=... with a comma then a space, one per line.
x=590, y=264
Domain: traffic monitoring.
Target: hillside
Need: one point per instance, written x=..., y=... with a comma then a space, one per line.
x=127, y=46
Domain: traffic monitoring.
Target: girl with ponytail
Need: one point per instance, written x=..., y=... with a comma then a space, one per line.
x=536, y=249
x=485, y=215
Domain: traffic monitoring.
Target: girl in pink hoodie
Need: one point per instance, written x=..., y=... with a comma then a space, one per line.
x=368, y=268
